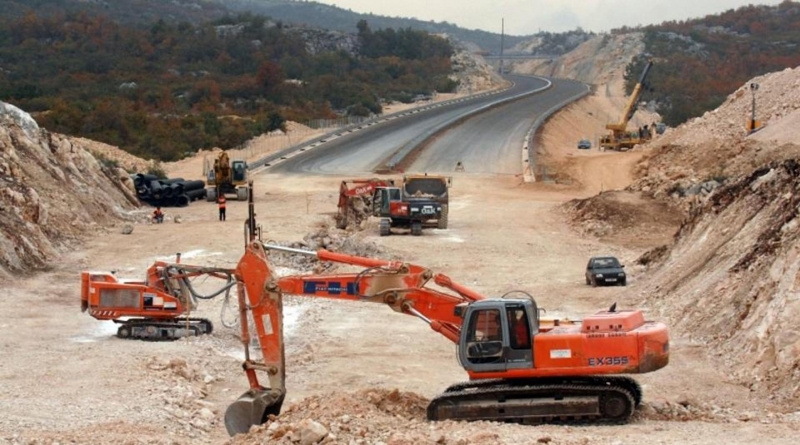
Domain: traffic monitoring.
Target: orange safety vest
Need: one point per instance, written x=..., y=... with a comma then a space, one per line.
x=222, y=202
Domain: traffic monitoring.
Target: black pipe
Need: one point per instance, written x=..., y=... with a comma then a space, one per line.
x=142, y=180
x=182, y=201
x=193, y=185
x=172, y=190
x=196, y=194
x=171, y=180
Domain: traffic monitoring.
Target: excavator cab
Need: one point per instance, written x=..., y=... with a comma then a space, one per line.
x=239, y=171
x=384, y=197
x=498, y=335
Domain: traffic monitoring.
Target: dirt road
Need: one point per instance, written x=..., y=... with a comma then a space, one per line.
x=65, y=377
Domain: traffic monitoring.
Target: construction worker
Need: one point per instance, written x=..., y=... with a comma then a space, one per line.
x=221, y=201
x=158, y=216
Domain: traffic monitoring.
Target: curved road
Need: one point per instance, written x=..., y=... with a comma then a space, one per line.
x=370, y=147
x=487, y=142
x=491, y=142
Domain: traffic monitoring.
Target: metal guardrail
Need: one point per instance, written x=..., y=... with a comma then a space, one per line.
x=529, y=138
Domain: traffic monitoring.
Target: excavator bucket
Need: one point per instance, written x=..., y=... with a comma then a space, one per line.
x=252, y=408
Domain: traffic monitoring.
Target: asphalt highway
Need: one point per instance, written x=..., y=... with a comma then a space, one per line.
x=494, y=136
x=491, y=142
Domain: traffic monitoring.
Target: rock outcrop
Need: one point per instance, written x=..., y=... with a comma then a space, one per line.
x=52, y=191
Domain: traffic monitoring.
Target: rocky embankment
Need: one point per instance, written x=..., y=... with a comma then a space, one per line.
x=52, y=191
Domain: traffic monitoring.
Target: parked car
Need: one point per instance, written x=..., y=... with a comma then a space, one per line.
x=584, y=144
x=605, y=270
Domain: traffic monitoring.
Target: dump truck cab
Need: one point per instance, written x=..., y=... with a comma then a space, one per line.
x=396, y=210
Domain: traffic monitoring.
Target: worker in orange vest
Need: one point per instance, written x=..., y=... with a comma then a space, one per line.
x=221, y=202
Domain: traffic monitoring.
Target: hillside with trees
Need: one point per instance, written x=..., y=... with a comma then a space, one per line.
x=331, y=17
x=697, y=63
x=165, y=89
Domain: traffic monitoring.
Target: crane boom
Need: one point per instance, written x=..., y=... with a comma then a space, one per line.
x=630, y=108
x=618, y=138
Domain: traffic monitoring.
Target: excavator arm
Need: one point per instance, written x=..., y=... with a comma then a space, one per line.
x=401, y=286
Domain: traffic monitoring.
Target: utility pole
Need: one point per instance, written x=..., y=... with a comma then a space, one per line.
x=502, y=39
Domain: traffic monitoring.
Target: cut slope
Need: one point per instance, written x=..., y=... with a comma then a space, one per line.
x=731, y=279
x=52, y=190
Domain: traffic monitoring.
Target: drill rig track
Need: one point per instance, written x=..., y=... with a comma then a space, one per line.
x=578, y=400
x=152, y=329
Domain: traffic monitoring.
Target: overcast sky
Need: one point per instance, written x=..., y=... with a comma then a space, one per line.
x=524, y=17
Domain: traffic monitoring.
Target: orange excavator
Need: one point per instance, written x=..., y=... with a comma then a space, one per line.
x=521, y=367
x=355, y=200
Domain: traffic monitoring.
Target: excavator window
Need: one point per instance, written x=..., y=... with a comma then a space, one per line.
x=394, y=194
x=238, y=171
x=520, y=331
x=485, y=337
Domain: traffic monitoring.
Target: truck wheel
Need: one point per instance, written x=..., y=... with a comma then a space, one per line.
x=416, y=228
x=385, y=227
x=442, y=223
x=241, y=194
x=211, y=195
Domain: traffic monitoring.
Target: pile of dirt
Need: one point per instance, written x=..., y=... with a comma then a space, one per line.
x=622, y=215
x=52, y=191
x=367, y=416
x=716, y=146
x=350, y=243
x=731, y=279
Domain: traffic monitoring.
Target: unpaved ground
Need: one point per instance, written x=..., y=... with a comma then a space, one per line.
x=65, y=378
x=71, y=380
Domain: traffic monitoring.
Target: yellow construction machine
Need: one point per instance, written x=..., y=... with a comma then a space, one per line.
x=620, y=138
x=225, y=177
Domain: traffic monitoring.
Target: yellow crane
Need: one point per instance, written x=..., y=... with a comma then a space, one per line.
x=620, y=138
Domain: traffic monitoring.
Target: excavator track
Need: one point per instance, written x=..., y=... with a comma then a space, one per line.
x=163, y=330
x=577, y=400
x=624, y=382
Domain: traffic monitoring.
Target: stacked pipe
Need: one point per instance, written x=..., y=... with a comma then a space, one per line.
x=174, y=192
